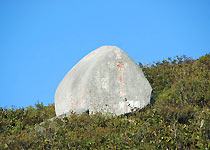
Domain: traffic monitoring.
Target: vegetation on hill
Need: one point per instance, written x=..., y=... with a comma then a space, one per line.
x=179, y=118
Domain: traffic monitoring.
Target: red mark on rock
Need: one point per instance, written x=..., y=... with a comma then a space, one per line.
x=77, y=103
x=80, y=102
x=120, y=65
x=72, y=104
x=121, y=79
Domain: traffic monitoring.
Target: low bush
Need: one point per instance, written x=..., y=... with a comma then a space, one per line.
x=179, y=118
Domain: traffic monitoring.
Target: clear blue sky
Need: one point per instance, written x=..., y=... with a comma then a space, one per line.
x=41, y=40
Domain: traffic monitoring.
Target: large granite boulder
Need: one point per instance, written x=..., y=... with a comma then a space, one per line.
x=106, y=80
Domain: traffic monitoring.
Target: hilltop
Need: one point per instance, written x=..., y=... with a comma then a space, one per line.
x=179, y=118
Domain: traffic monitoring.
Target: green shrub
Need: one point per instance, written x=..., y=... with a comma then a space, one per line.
x=179, y=118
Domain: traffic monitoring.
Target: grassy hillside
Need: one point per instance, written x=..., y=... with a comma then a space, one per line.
x=179, y=118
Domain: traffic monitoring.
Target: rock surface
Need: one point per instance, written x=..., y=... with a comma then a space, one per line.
x=106, y=80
